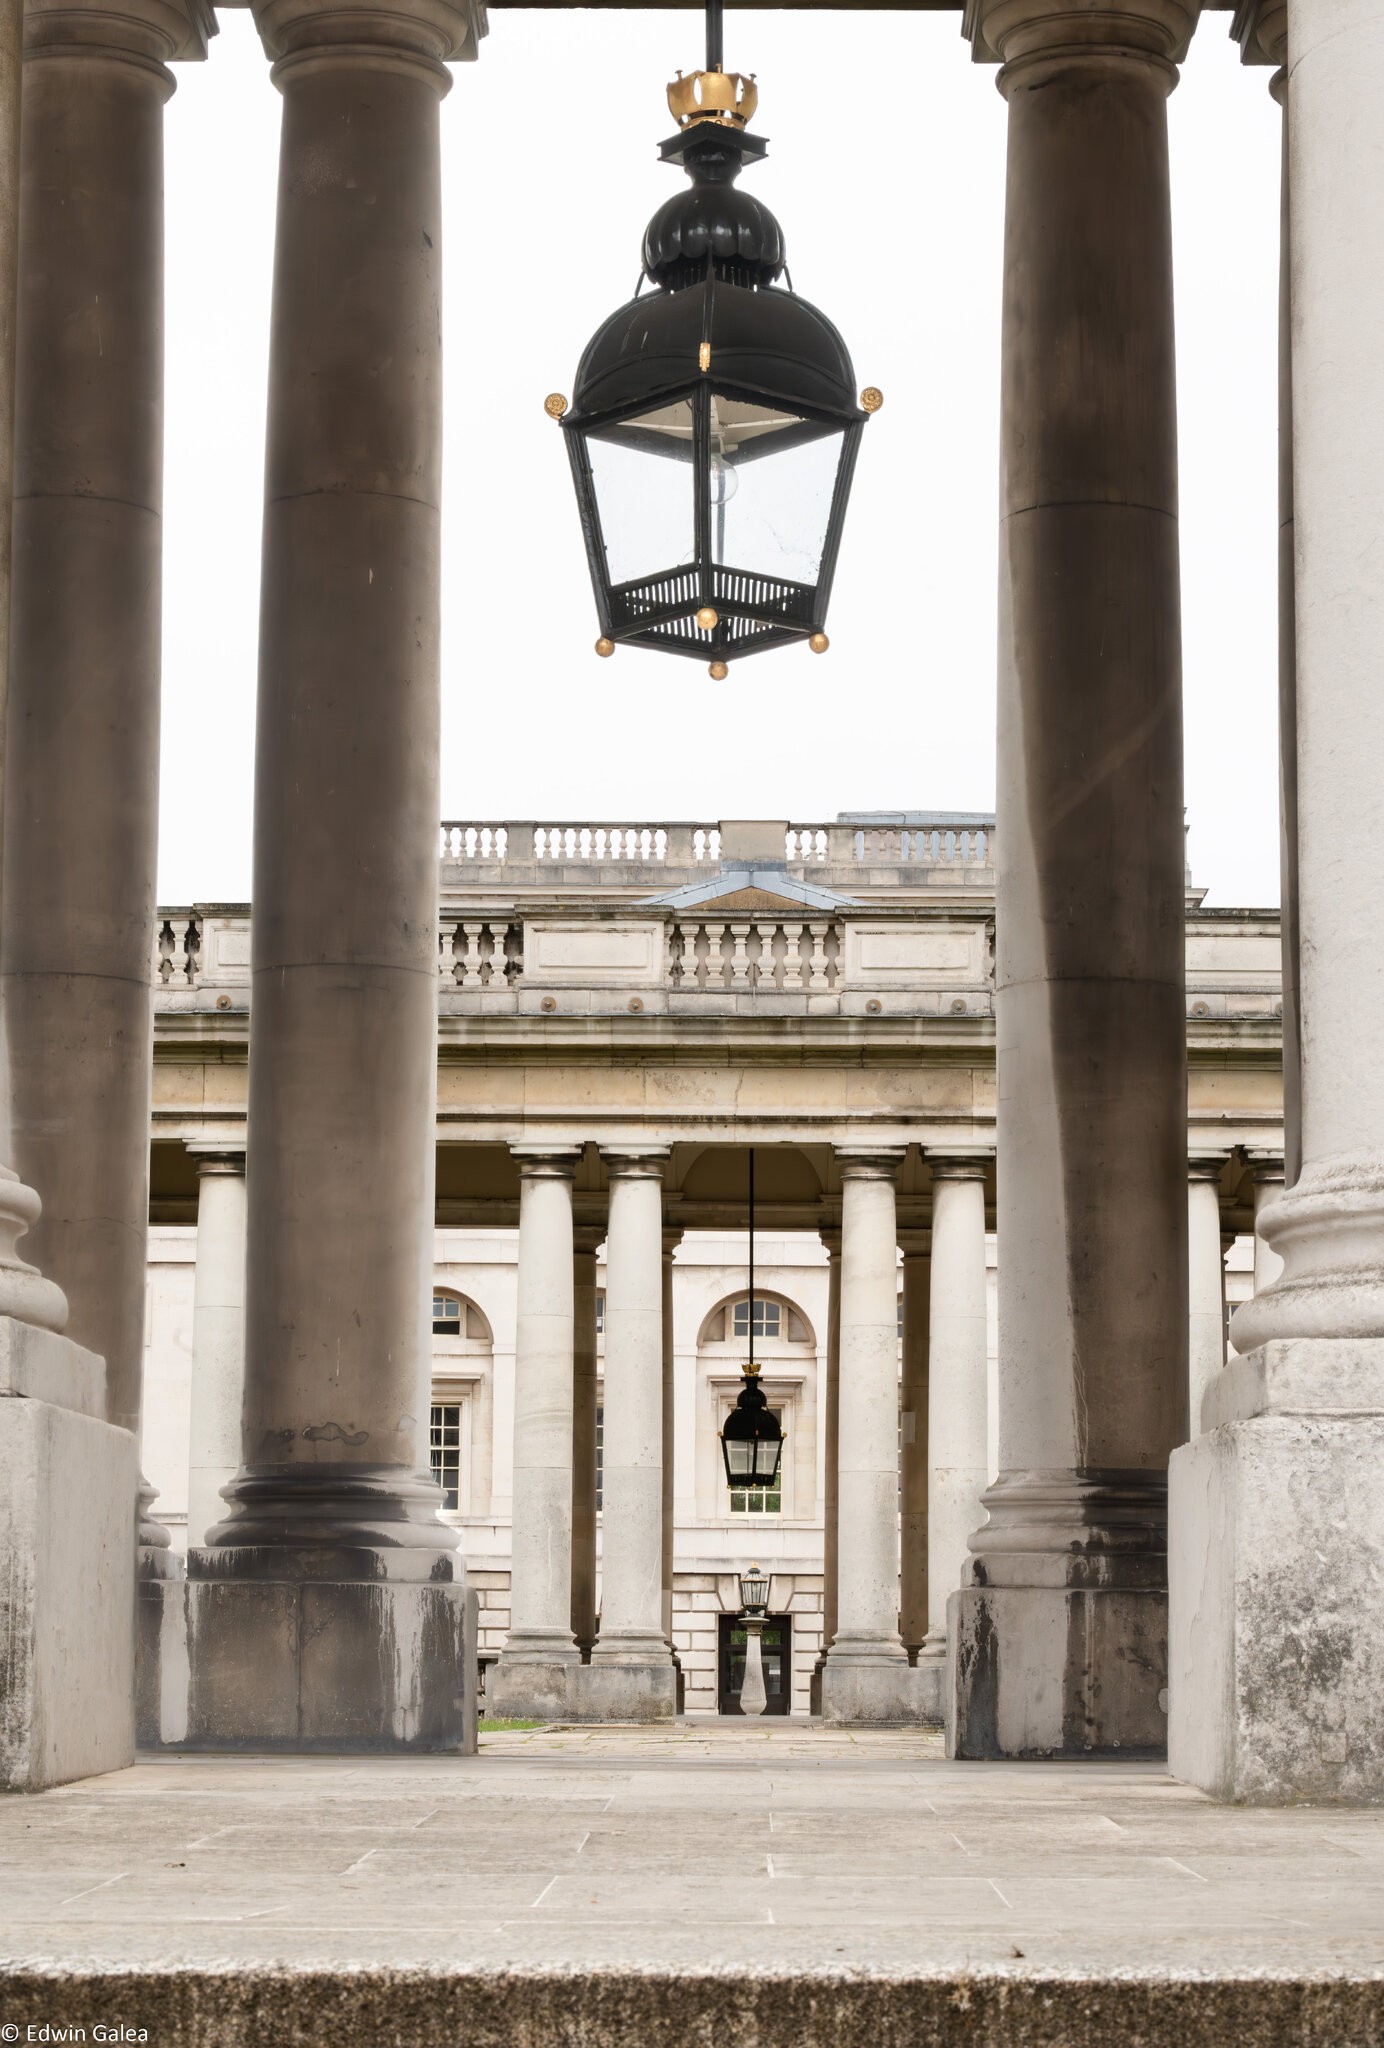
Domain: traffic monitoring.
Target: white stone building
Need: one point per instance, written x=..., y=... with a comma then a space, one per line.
x=605, y=988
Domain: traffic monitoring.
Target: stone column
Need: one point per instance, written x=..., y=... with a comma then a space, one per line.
x=218, y=1333
x=1277, y=1679
x=957, y=1403
x=831, y=1413
x=671, y=1240
x=1205, y=1279
x=913, y=1442
x=1267, y=1169
x=585, y=1390
x=867, y=1676
x=630, y=1676
x=1059, y=1639
x=67, y=1647
x=534, y=1675
x=81, y=825
x=361, y=1643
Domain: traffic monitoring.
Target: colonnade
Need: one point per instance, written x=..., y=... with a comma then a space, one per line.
x=332, y=1549
x=886, y=1580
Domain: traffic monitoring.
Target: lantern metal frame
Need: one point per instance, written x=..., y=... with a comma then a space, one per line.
x=718, y=325
x=754, y=1592
x=751, y=1425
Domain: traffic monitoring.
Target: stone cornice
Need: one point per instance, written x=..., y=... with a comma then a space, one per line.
x=430, y=32
x=148, y=32
x=1012, y=31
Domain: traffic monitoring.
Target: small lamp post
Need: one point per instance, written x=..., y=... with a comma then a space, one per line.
x=715, y=424
x=754, y=1599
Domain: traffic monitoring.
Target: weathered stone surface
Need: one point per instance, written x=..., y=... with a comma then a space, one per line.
x=67, y=1593
x=884, y=1694
x=1275, y=1567
x=1039, y=1671
x=334, y=1666
x=624, y=1692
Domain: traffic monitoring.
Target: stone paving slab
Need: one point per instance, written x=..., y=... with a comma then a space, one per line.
x=695, y=1886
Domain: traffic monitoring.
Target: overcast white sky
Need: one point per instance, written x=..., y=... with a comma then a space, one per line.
x=887, y=172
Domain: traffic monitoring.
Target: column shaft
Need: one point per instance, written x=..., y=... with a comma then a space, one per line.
x=81, y=822
x=831, y=1414
x=344, y=971
x=531, y=1678
x=584, y=1406
x=631, y=1670
x=913, y=1444
x=218, y=1339
x=1206, y=1283
x=670, y=1241
x=957, y=1388
x=1090, y=1005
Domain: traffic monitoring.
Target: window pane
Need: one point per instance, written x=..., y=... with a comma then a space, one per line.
x=445, y=1450
x=600, y=1458
x=642, y=471
x=768, y=1319
x=600, y=1313
x=773, y=477
x=446, y=1316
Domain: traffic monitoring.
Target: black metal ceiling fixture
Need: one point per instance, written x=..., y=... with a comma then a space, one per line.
x=714, y=426
x=752, y=1438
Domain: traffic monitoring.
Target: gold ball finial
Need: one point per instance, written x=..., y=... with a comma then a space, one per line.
x=555, y=405
x=718, y=671
x=605, y=647
x=819, y=643
x=872, y=398
x=707, y=619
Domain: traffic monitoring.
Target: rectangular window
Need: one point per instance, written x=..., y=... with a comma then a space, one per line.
x=600, y=1458
x=445, y=1447
x=760, y=1500
x=768, y=1319
x=446, y=1316
x=600, y=1312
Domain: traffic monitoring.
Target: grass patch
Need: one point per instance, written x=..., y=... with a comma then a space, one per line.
x=488, y=1723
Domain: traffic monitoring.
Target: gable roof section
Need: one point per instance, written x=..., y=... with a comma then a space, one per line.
x=752, y=889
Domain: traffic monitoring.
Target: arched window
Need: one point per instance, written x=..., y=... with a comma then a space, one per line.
x=785, y=1349
x=462, y=1348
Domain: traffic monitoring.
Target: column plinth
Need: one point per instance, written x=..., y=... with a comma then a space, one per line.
x=631, y=1676
x=1058, y=1638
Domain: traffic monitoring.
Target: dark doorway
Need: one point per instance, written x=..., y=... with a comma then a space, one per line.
x=776, y=1648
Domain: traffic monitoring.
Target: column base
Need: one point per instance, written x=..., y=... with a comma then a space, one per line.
x=1057, y=1671
x=874, y=1688
x=1277, y=1557
x=629, y=1678
x=534, y=1679
x=312, y=1664
x=67, y=1563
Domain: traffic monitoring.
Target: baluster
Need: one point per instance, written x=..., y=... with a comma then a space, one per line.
x=833, y=953
x=715, y=958
x=167, y=947
x=192, y=951
x=715, y=841
x=740, y=964
x=514, y=953
x=817, y=978
x=447, y=952
x=471, y=966
x=496, y=977
x=699, y=844
x=792, y=956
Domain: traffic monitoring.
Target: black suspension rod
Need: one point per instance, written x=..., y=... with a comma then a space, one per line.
x=752, y=1256
x=714, y=39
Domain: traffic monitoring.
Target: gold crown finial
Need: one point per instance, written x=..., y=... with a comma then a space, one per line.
x=726, y=97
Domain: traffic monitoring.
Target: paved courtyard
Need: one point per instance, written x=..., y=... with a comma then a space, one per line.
x=709, y=1882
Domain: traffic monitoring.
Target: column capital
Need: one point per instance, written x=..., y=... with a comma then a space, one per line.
x=146, y=33
x=537, y=1161
x=959, y=1165
x=915, y=1244
x=1206, y=1164
x=1020, y=34
x=409, y=34
x=635, y=1162
x=671, y=1240
x=830, y=1234
x=587, y=1237
x=217, y=1155
x=1265, y=1165
x=869, y=1162
x=1260, y=27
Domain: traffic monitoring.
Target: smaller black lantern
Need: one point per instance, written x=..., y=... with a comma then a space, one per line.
x=752, y=1439
x=754, y=1591
x=715, y=422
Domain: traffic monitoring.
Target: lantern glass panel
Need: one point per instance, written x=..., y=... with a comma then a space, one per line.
x=641, y=470
x=740, y=1458
x=768, y=1450
x=772, y=482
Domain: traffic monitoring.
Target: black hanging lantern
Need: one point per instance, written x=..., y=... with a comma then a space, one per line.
x=714, y=426
x=752, y=1436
